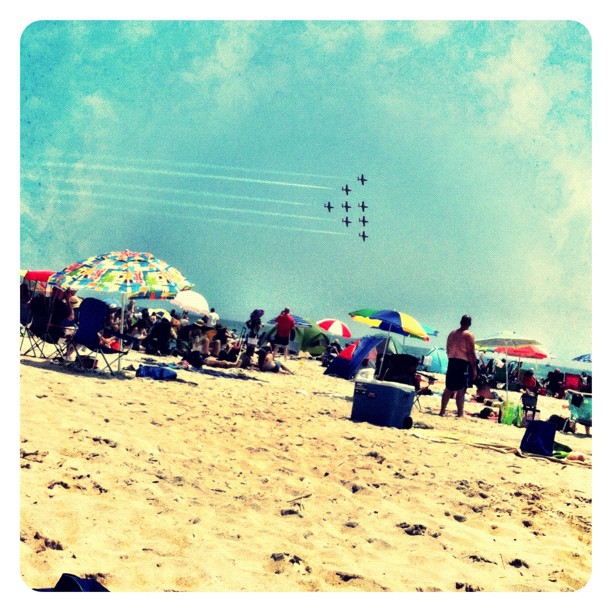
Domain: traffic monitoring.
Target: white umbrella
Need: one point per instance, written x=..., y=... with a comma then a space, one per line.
x=191, y=301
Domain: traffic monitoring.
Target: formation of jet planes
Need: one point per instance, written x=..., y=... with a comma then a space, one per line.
x=362, y=179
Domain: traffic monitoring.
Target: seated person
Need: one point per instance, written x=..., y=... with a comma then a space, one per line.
x=529, y=382
x=267, y=363
x=61, y=321
x=554, y=383
x=229, y=352
x=485, y=396
x=108, y=339
x=331, y=352
x=157, y=341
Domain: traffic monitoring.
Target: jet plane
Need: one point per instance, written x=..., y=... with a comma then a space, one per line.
x=346, y=221
x=363, y=221
x=346, y=189
x=328, y=206
x=346, y=206
x=363, y=236
x=362, y=178
x=362, y=206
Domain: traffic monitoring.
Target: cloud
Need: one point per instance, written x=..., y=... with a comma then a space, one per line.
x=430, y=32
x=136, y=31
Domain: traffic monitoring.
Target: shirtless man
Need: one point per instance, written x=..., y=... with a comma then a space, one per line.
x=462, y=365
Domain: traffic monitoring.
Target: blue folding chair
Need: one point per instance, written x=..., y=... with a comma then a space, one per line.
x=92, y=318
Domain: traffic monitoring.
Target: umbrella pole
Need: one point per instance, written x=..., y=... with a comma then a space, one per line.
x=384, y=352
x=121, y=339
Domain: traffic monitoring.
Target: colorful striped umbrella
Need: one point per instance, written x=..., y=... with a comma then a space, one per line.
x=335, y=326
x=391, y=321
x=133, y=274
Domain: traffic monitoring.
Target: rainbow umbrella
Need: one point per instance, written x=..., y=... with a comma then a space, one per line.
x=391, y=321
x=335, y=326
x=133, y=274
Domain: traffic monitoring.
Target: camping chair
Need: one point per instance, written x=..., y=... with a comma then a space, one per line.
x=92, y=318
x=401, y=368
x=581, y=411
x=530, y=410
x=572, y=381
x=36, y=328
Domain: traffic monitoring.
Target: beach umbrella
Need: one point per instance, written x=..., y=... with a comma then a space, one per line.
x=335, y=326
x=135, y=275
x=39, y=278
x=390, y=321
x=505, y=340
x=584, y=358
x=299, y=321
x=528, y=351
x=191, y=301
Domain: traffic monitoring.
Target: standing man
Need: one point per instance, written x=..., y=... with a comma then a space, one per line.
x=462, y=365
x=213, y=317
x=284, y=325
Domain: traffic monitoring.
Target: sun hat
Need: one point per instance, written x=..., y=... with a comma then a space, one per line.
x=199, y=323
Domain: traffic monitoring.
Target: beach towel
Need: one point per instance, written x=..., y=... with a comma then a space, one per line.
x=155, y=372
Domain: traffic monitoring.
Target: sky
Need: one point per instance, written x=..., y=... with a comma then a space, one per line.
x=215, y=144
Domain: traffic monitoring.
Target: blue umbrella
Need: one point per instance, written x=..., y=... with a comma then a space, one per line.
x=585, y=358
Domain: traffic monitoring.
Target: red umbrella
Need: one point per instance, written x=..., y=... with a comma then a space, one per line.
x=335, y=326
x=527, y=351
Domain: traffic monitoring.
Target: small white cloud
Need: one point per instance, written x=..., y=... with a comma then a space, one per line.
x=135, y=31
x=430, y=32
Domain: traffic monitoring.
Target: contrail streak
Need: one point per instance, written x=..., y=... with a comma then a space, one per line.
x=226, y=221
x=156, y=172
x=97, y=183
x=184, y=204
x=136, y=160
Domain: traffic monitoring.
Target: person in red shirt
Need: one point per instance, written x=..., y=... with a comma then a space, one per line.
x=284, y=325
x=529, y=382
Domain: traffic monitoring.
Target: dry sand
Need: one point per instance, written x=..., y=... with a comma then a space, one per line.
x=247, y=481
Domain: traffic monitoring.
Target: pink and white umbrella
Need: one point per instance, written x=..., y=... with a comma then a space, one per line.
x=335, y=326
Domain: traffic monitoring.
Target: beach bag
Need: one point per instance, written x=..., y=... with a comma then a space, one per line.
x=155, y=372
x=539, y=438
x=511, y=414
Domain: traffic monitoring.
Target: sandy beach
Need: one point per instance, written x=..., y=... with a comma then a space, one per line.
x=233, y=480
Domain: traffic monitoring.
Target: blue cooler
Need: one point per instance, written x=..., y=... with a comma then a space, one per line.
x=383, y=403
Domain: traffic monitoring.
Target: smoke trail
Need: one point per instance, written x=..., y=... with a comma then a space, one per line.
x=158, y=172
x=172, y=190
x=185, y=204
x=225, y=221
x=181, y=164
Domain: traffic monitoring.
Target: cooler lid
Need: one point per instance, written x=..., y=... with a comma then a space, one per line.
x=388, y=383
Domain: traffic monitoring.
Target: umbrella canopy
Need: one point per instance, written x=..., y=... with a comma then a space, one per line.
x=299, y=321
x=191, y=301
x=505, y=338
x=391, y=321
x=335, y=326
x=529, y=351
x=133, y=274
x=584, y=358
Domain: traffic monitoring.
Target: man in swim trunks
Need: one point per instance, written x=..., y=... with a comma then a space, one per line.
x=462, y=365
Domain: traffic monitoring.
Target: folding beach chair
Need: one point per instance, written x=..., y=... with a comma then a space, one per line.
x=92, y=319
x=581, y=411
x=572, y=381
x=35, y=328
